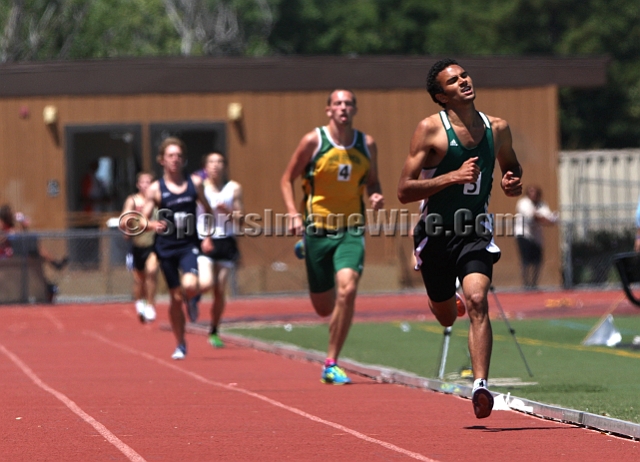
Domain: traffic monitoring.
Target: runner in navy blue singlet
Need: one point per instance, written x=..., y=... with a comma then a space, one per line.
x=177, y=244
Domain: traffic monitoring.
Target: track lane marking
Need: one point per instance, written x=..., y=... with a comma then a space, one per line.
x=357, y=434
x=54, y=320
x=101, y=429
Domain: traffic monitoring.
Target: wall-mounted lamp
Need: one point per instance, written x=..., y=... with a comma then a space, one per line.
x=234, y=112
x=234, y=115
x=50, y=115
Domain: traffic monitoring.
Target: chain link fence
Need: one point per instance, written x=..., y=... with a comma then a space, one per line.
x=589, y=248
x=73, y=265
x=90, y=265
x=598, y=196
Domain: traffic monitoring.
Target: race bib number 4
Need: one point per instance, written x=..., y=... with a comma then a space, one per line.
x=344, y=172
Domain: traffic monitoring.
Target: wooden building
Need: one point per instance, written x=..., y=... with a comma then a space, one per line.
x=60, y=117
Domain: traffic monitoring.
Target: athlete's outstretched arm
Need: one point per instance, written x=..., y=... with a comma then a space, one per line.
x=301, y=157
x=129, y=204
x=511, y=181
x=207, y=243
x=374, y=190
x=238, y=199
x=202, y=199
x=153, y=197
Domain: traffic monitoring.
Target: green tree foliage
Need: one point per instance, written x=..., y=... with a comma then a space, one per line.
x=353, y=27
x=126, y=28
x=222, y=27
x=604, y=117
x=590, y=118
x=40, y=29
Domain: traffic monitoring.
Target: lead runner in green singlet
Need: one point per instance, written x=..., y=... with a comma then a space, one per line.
x=450, y=170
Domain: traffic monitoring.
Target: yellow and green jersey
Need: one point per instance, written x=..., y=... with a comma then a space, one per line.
x=334, y=181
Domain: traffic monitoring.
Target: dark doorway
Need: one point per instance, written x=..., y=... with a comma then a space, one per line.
x=113, y=152
x=102, y=163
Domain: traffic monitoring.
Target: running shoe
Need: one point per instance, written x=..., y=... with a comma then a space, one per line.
x=215, y=341
x=482, y=400
x=298, y=249
x=192, y=309
x=180, y=353
x=462, y=309
x=335, y=375
x=140, y=307
x=149, y=313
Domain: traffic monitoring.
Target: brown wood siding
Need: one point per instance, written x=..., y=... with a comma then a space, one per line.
x=273, y=125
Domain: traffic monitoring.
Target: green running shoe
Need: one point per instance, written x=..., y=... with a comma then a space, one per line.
x=215, y=341
x=334, y=375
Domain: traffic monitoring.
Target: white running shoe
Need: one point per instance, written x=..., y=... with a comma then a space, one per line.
x=482, y=399
x=140, y=309
x=149, y=313
x=180, y=353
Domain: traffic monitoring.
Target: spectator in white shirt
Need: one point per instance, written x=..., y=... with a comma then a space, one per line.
x=528, y=230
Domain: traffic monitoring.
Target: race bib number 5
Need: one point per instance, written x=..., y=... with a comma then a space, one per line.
x=472, y=189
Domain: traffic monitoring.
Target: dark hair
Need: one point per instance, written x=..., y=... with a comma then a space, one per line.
x=6, y=215
x=433, y=86
x=206, y=156
x=341, y=89
x=142, y=173
x=172, y=140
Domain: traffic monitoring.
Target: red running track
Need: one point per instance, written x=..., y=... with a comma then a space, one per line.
x=89, y=382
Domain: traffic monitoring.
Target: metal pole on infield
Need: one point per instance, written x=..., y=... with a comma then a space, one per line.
x=511, y=331
x=445, y=350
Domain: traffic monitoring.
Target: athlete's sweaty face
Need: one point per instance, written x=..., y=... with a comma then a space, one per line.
x=214, y=167
x=172, y=159
x=342, y=107
x=456, y=83
x=143, y=183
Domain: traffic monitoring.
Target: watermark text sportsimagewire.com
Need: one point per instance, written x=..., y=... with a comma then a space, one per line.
x=385, y=222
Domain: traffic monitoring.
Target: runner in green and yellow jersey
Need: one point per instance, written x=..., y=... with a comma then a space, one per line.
x=338, y=164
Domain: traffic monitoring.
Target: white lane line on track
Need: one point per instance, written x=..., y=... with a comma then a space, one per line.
x=357, y=434
x=110, y=437
x=55, y=321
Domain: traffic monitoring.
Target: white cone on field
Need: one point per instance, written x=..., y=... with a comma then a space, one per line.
x=604, y=334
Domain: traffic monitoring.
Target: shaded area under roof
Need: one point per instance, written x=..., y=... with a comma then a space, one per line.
x=223, y=75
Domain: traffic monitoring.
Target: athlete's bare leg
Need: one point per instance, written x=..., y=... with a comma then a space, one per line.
x=475, y=288
x=151, y=278
x=221, y=275
x=340, y=306
x=205, y=274
x=445, y=312
x=189, y=285
x=138, y=285
x=176, y=314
